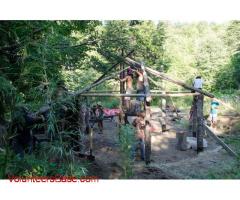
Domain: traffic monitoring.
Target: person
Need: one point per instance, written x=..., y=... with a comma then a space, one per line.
x=213, y=113
x=139, y=124
x=22, y=123
x=140, y=84
x=97, y=116
x=129, y=86
x=198, y=82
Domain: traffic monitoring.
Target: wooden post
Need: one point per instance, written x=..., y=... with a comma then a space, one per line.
x=163, y=99
x=200, y=128
x=194, y=117
x=147, y=103
x=163, y=107
x=162, y=120
x=122, y=75
x=147, y=141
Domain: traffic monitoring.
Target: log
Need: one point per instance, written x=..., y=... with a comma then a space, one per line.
x=133, y=63
x=219, y=141
x=177, y=82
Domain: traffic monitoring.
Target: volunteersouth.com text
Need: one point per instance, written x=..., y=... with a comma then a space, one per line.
x=55, y=179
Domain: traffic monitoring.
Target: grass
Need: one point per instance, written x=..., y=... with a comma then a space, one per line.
x=126, y=141
x=232, y=170
x=36, y=166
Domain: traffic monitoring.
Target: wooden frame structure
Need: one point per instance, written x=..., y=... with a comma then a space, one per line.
x=198, y=97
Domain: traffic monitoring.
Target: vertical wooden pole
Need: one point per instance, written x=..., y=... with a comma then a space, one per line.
x=122, y=75
x=200, y=128
x=194, y=117
x=162, y=120
x=147, y=133
x=147, y=104
x=163, y=99
x=163, y=107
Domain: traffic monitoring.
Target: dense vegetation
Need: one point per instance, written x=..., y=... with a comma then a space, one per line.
x=38, y=54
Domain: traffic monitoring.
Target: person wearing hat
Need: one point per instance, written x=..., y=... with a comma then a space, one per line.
x=213, y=113
x=129, y=86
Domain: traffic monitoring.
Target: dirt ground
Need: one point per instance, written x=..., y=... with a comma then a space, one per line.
x=166, y=161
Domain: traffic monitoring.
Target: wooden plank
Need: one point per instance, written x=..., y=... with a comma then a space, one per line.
x=224, y=145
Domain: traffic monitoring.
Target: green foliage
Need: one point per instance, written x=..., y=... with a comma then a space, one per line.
x=111, y=103
x=127, y=141
x=8, y=97
x=35, y=166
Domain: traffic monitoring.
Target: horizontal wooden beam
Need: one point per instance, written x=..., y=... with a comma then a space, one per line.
x=152, y=91
x=104, y=91
x=135, y=95
x=225, y=146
